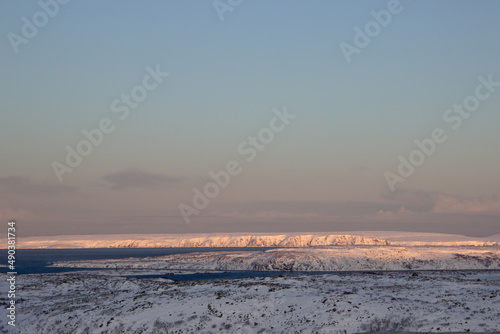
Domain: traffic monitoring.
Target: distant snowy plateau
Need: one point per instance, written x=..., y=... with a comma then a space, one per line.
x=253, y=240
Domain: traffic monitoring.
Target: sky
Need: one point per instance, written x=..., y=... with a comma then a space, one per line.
x=249, y=116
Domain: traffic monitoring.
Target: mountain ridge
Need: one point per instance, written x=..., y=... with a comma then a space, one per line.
x=314, y=239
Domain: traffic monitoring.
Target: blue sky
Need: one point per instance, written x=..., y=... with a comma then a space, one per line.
x=324, y=172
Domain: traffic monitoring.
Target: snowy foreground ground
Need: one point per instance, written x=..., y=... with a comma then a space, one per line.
x=107, y=302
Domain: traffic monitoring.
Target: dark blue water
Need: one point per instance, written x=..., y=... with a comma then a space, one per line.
x=36, y=261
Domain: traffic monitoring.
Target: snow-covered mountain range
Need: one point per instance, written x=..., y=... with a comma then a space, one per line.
x=253, y=240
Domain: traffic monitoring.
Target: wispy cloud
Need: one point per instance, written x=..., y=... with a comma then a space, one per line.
x=457, y=204
x=22, y=186
x=7, y=213
x=269, y=215
x=139, y=179
x=391, y=215
x=439, y=202
x=306, y=209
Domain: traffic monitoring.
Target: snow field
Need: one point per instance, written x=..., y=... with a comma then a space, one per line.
x=99, y=302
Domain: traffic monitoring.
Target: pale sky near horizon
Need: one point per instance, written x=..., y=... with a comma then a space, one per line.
x=326, y=169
